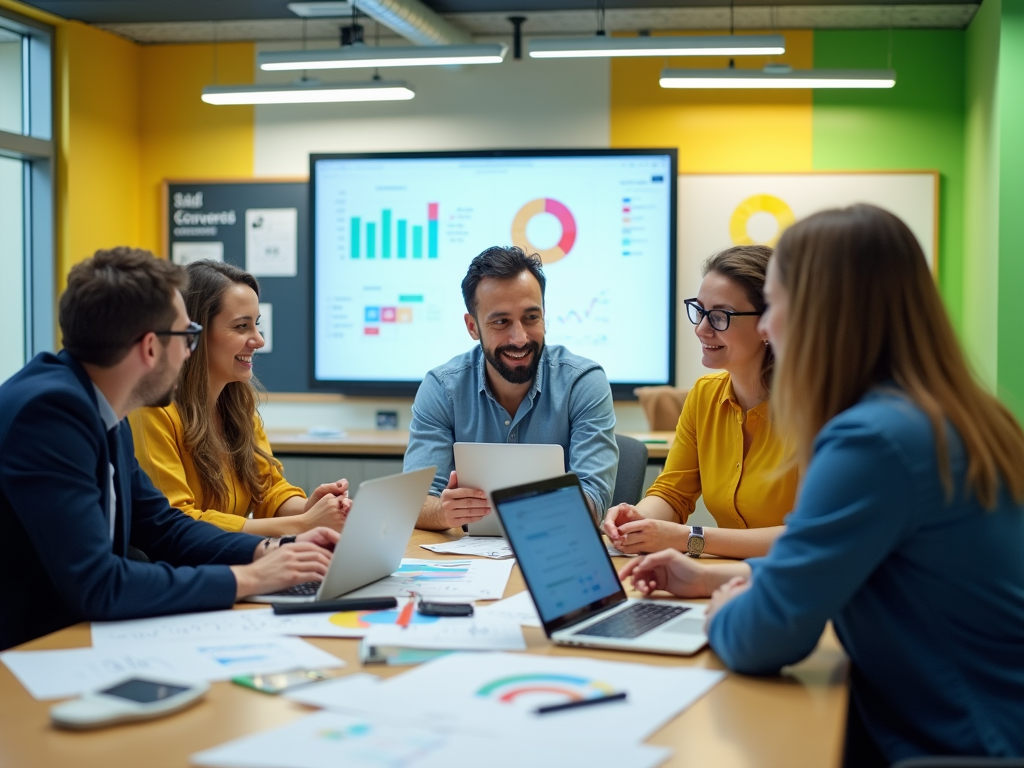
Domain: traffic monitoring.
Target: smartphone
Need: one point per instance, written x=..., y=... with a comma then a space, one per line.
x=282, y=681
x=445, y=609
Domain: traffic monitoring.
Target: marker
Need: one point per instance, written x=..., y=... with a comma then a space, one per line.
x=406, y=615
x=656, y=441
x=621, y=696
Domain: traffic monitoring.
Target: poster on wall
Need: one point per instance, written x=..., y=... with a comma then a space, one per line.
x=717, y=211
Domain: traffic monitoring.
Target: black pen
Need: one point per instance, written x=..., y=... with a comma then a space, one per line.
x=581, y=703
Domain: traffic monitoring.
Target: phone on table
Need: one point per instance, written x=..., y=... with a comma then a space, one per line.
x=134, y=698
x=283, y=681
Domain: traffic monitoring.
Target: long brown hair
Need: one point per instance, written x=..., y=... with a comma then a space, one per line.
x=746, y=266
x=237, y=448
x=863, y=310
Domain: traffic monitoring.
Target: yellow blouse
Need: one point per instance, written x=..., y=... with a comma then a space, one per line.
x=707, y=458
x=160, y=448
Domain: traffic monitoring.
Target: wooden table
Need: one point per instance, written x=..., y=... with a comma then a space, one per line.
x=370, y=442
x=791, y=721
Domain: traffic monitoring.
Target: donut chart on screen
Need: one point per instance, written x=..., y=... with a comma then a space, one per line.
x=560, y=212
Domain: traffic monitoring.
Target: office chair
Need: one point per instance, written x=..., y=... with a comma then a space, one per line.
x=960, y=762
x=629, y=479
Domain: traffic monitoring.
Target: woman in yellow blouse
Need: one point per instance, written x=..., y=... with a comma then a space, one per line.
x=726, y=447
x=207, y=451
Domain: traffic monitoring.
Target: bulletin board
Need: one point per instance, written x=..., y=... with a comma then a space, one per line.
x=261, y=226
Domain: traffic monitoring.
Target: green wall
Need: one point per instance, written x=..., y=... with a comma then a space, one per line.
x=917, y=125
x=1010, y=92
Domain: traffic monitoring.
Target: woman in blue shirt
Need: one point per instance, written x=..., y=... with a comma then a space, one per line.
x=908, y=532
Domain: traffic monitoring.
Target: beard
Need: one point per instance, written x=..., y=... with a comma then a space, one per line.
x=519, y=374
x=156, y=388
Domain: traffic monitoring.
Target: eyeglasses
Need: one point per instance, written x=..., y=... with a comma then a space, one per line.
x=718, y=319
x=191, y=335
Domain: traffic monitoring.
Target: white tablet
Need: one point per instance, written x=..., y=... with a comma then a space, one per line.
x=489, y=466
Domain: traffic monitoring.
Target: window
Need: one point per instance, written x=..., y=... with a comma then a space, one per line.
x=26, y=191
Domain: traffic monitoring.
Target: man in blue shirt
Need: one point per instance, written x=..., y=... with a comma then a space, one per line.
x=510, y=389
x=73, y=499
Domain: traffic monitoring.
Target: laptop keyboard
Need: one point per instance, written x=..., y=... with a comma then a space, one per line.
x=305, y=589
x=634, y=621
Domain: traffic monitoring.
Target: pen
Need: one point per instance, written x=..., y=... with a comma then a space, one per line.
x=406, y=615
x=621, y=696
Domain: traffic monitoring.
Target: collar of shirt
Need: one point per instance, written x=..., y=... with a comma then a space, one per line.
x=729, y=396
x=107, y=414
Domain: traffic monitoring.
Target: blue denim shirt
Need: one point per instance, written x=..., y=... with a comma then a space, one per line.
x=570, y=403
x=926, y=591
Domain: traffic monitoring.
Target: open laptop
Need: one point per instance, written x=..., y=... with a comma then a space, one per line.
x=487, y=466
x=374, y=538
x=578, y=594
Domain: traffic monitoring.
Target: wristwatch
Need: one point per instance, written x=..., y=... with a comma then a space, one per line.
x=695, y=541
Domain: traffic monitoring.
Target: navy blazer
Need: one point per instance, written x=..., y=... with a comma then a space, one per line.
x=58, y=565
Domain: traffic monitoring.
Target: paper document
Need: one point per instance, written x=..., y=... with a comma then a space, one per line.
x=498, y=693
x=466, y=579
x=185, y=253
x=333, y=693
x=74, y=671
x=518, y=608
x=494, y=547
x=330, y=740
x=460, y=634
x=271, y=242
x=211, y=625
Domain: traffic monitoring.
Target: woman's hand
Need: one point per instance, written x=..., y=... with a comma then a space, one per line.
x=650, y=535
x=671, y=571
x=732, y=589
x=618, y=515
x=329, y=511
x=337, y=488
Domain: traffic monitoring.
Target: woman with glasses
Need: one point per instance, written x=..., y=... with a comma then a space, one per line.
x=910, y=527
x=726, y=447
x=207, y=451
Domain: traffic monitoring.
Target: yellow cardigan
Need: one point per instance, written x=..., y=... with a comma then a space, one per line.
x=707, y=458
x=160, y=448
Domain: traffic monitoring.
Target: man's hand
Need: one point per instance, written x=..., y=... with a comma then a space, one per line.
x=461, y=506
x=650, y=535
x=669, y=570
x=732, y=589
x=337, y=488
x=306, y=559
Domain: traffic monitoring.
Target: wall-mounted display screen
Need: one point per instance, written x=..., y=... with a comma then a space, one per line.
x=394, y=234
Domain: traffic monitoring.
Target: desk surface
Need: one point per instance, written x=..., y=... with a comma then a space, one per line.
x=791, y=721
x=371, y=442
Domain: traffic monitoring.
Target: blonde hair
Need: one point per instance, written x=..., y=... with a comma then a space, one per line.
x=746, y=266
x=237, y=450
x=863, y=309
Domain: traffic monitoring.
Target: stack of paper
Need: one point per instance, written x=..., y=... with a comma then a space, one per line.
x=493, y=547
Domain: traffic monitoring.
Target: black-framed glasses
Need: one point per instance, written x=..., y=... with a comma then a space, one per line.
x=191, y=335
x=718, y=319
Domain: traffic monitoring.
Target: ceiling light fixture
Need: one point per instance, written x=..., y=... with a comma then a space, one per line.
x=712, y=45
x=778, y=76
x=308, y=92
x=358, y=56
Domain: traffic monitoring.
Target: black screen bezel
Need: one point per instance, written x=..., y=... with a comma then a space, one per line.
x=408, y=388
x=520, y=492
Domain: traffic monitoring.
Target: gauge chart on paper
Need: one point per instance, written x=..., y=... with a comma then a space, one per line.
x=532, y=690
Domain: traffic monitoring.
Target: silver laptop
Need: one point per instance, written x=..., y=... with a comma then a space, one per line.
x=374, y=538
x=486, y=466
x=578, y=594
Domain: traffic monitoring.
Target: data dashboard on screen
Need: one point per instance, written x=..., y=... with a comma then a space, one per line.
x=393, y=236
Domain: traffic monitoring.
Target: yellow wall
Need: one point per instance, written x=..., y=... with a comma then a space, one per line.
x=716, y=131
x=182, y=136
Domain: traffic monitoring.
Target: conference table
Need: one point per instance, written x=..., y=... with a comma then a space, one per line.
x=794, y=720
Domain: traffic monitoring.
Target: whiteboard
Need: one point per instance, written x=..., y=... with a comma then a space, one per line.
x=717, y=211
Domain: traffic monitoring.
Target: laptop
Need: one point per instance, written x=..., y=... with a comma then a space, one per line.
x=487, y=466
x=373, y=541
x=578, y=595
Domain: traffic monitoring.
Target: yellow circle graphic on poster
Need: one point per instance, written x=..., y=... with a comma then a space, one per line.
x=739, y=222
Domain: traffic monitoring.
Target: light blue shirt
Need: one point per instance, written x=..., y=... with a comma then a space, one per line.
x=926, y=594
x=569, y=404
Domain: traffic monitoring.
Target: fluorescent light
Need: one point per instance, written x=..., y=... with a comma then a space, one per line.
x=315, y=92
x=321, y=10
x=602, y=46
x=793, y=78
x=359, y=56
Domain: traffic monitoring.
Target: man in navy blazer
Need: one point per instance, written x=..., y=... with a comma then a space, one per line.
x=72, y=496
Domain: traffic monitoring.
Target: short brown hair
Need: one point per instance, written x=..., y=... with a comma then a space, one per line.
x=747, y=266
x=113, y=299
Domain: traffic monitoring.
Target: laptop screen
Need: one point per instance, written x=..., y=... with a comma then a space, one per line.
x=559, y=551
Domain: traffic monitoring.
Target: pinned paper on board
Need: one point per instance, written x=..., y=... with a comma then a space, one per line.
x=266, y=326
x=271, y=242
x=185, y=253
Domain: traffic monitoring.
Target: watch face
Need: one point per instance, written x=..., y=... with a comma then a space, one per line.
x=695, y=545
